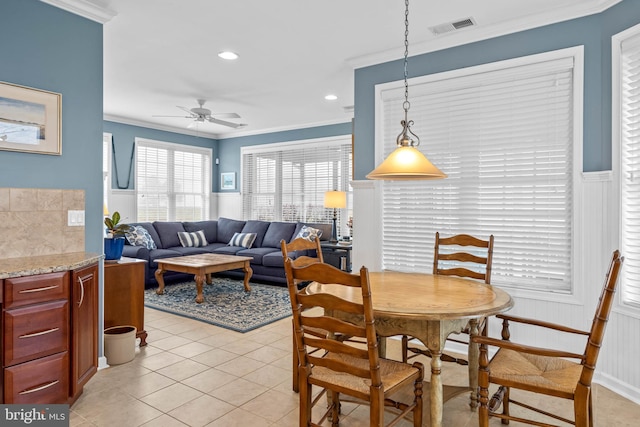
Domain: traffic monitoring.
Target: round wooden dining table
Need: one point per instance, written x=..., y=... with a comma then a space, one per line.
x=428, y=307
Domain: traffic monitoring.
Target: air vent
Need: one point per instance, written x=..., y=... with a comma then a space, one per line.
x=452, y=26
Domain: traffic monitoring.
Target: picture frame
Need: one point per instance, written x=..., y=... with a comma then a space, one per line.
x=30, y=120
x=228, y=181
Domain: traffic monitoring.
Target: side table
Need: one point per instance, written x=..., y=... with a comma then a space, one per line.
x=337, y=255
x=124, y=295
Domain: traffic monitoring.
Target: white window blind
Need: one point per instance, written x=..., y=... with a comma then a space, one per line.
x=173, y=181
x=505, y=139
x=287, y=181
x=630, y=169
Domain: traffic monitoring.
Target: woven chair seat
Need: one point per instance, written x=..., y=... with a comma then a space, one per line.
x=393, y=374
x=538, y=372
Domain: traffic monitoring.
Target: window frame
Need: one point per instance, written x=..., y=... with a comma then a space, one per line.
x=576, y=294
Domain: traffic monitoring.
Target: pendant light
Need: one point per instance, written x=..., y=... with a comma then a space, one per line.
x=406, y=162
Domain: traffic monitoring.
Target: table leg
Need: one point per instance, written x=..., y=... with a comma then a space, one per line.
x=248, y=272
x=199, y=278
x=436, y=391
x=473, y=365
x=160, y=279
x=209, y=279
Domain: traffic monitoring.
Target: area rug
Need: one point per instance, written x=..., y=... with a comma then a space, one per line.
x=226, y=304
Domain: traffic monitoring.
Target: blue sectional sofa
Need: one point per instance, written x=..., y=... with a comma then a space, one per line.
x=267, y=263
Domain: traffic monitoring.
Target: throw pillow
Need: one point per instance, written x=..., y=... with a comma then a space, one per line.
x=192, y=240
x=139, y=236
x=244, y=240
x=309, y=233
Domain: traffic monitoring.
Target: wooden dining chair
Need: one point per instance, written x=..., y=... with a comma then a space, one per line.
x=450, y=260
x=342, y=367
x=542, y=370
x=306, y=245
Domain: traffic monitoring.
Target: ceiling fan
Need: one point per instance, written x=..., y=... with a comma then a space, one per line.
x=201, y=115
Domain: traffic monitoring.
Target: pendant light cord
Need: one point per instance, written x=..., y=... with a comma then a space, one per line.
x=406, y=105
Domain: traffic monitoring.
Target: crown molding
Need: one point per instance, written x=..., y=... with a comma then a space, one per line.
x=475, y=34
x=85, y=9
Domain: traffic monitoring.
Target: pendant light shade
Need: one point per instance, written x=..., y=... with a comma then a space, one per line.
x=406, y=162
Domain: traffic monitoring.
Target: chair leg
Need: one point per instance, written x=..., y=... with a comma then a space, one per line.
x=376, y=410
x=295, y=374
x=582, y=406
x=405, y=344
x=305, y=405
x=417, y=411
x=335, y=409
x=505, y=404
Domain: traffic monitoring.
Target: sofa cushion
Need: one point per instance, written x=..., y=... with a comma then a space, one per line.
x=228, y=250
x=190, y=250
x=257, y=227
x=227, y=228
x=278, y=231
x=210, y=229
x=308, y=233
x=326, y=229
x=195, y=239
x=155, y=254
x=273, y=259
x=168, y=232
x=150, y=229
x=257, y=253
x=244, y=240
x=139, y=236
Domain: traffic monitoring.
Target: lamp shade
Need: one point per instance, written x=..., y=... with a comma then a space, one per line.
x=335, y=199
x=406, y=163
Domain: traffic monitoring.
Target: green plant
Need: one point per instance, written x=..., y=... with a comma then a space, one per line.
x=114, y=228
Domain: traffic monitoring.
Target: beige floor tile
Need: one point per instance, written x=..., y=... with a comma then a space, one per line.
x=170, y=342
x=214, y=357
x=130, y=412
x=163, y=420
x=269, y=376
x=242, y=418
x=283, y=343
x=191, y=349
x=160, y=360
x=183, y=369
x=169, y=398
x=179, y=328
x=209, y=380
x=238, y=392
x=201, y=411
x=263, y=405
x=265, y=337
x=156, y=335
x=242, y=347
x=220, y=340
x=147, y=384
x=268, y=354
x=196, y=334
x=240, y=366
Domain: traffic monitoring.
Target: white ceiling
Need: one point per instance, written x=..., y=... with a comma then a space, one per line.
x=159, y=54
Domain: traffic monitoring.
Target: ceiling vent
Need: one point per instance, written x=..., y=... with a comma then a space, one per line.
x=453, y=26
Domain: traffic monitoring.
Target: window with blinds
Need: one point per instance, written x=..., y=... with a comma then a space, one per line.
x=629, y=108
x=287, y=181
x=173, y=181
x=505, y=138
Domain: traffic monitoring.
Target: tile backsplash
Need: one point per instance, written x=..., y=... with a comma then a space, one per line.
x=34, y=222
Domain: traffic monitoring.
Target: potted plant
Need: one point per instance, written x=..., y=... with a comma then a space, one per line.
x=114, y=241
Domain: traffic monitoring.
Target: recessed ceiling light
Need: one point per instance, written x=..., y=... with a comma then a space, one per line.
x=228, y=55
x=331, y=97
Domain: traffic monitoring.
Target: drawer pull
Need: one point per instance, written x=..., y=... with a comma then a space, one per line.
x=37, y=334
x=42, y=387
x=28, y=291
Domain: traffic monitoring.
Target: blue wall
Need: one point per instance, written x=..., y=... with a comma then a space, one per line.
x=594, y=32
x=124, y=137
x=47, y=48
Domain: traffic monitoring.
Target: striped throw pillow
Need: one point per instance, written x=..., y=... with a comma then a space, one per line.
x=244, y=240
x=195, y=239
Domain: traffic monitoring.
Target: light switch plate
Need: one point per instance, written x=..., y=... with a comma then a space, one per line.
x=75, y=218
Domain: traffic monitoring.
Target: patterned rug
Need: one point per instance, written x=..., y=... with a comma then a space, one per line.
x=226, y=304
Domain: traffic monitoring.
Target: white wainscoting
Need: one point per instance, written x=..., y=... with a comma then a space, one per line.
x=229, y=206
x=617, y=367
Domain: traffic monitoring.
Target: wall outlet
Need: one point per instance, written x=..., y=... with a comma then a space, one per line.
x=75, y=218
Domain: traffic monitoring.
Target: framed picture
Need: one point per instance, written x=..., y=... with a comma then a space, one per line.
x=228, y=181
x=30, y=120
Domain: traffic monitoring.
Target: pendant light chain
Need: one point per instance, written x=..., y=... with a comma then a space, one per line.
x=406, y=103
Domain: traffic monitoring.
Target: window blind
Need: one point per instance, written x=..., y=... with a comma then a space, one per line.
x=287, y=181
x=505, y=139
x=630, y=169
x=173, y=181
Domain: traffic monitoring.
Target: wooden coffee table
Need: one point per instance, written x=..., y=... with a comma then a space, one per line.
x=201, y=266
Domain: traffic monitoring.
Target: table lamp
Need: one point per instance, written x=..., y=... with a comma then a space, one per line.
x=336, y=200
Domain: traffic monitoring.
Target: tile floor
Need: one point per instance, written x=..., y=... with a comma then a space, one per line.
x=195, y=374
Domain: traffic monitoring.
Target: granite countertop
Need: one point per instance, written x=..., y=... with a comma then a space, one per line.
x=28, y=266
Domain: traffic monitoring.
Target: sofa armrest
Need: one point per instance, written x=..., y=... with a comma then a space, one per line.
x=139, y=252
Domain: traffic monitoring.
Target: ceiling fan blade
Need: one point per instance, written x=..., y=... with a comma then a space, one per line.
x=182, y=117
x=226, y=123
x=226, y=115
x=185, y=109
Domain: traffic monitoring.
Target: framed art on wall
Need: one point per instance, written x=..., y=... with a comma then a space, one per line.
x=30, y=120
x=228, y=181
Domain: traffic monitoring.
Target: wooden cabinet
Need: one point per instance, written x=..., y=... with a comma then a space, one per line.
x=124, y=295
x=84, y=327
x=49, y=345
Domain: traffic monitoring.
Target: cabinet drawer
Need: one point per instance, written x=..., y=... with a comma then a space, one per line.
x=35, y=331
x=41, y=381
x=20, y=291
